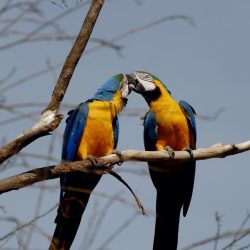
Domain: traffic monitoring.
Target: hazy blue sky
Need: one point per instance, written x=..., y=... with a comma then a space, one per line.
x=207, y=65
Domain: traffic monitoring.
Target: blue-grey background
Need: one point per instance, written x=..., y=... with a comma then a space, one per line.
x=207, y=64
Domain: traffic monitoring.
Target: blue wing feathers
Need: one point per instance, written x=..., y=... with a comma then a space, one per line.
x=75, y=126
x=76, y=122
x=189, y=169
x=190, y=114
x=150, y=131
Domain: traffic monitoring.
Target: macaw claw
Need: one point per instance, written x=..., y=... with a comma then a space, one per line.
x=190, y=151
x=170, y=152
x=119, y=154
x=93, y=160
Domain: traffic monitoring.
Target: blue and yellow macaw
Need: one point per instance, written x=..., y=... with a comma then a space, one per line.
x=92, y=130
x=167, y=126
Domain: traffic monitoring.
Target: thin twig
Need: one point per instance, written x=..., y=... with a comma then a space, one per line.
x=118, y=231
x=41, y=27
x=244, y=247
x=15, y=20
x=218, y=222
x=41, y=194
x=21, y=226
x=88, y=241
x=237, y=238
x=8, y=76
x=97, y=47
x=208, y=240
x=151, y=24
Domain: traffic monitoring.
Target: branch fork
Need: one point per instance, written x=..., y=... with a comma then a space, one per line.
x=49, y=119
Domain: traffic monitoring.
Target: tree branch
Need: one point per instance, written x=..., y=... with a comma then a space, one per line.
x=20, y=226
x=49, y=120
x=106, y=163
x=97, y=47
x=75, y=54
x=225, y=235
x=28, y=136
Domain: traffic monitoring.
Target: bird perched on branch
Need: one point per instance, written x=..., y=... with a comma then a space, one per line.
x=92, y=130
x=167, y=126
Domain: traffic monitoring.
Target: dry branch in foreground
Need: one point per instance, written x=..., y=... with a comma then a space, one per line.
x=74, y=55
x=28, y=136
x=106, y=163
x=49, y=119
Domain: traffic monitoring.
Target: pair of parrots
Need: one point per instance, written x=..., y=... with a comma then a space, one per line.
x=93, y=129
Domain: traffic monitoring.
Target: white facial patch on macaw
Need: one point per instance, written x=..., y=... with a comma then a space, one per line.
x=124, y=87
x=147, y=84
x=125, y=91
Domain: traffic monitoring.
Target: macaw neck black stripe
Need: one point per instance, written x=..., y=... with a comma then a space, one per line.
x=152, y=95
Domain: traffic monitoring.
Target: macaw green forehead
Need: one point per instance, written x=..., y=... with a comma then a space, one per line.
x=118, y=78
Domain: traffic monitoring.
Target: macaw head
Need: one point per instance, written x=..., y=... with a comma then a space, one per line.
x=146, y=84
x=116, y=85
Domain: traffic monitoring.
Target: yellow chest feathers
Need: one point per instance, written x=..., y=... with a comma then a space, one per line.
x=98, y=136
x=172, y=124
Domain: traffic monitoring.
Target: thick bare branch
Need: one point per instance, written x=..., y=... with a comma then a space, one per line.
x=106, y=163
x=27, y=137
x=49, y=120
x=74, y=55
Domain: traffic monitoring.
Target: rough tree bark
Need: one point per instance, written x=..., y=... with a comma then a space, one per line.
x=49, y=119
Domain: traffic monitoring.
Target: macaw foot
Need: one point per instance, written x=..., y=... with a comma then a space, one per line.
x=170, y=152
x=190, y=151
x=93, y=160
x=119, y=154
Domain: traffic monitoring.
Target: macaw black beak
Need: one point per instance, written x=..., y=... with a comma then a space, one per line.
x=134, y=84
